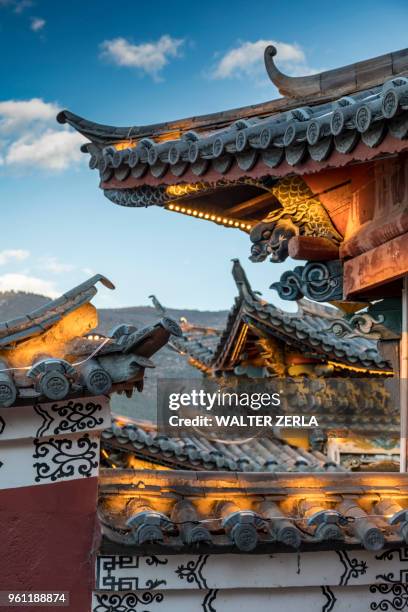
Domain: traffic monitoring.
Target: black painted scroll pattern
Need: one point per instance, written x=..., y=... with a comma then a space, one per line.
x=64, y=458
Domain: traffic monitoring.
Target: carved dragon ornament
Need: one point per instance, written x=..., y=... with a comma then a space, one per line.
x=301, y=213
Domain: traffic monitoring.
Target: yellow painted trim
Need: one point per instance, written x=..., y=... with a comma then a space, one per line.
x=238, y=346
x=214, y=217
x=344, y=366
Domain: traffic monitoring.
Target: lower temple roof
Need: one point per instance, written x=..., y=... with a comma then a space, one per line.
x=54, y=353
x=319, y=332
x=141, y=440
x=143, y=512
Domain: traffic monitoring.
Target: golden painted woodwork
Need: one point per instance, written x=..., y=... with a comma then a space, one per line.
x=300, y=214
x=305, y=209
x=53, y=342
x=380, y=265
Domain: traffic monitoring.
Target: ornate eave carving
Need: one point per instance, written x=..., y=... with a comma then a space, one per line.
x=319, y=281
x=300, y=213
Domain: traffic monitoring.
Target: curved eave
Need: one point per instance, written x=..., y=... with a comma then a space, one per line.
x=103, y=134
x=46, y=316
x=339, y=81
x=295, y=332
x=305, y=140
x=119, y=191
x=324, y=86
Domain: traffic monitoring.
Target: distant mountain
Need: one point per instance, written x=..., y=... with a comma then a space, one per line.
x=169, y=364
x=16, y=303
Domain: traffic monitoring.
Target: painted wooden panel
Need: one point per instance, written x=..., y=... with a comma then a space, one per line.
x=376, y=267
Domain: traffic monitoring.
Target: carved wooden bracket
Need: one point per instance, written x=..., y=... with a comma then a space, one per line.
x=319, y=281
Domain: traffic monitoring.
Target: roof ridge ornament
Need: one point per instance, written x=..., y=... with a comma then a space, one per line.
x=339, y=81
x=241, y=279
x=158, y=305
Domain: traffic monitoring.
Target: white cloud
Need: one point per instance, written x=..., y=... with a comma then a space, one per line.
x=53, y=150
x=55, y=266
x=22, y=5
x=18, y=5
x=31, y=284
x=148, y=57
x=52, y=264
x=37, y=24
x=19, y=113
x=247, y=60
x=13, y=255
x=29, y=136
x=88, y=271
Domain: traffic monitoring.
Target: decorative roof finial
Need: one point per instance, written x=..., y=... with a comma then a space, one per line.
x=158, y=306
x=240, y=277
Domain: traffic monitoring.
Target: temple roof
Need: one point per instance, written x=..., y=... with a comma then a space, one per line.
x=319, y=331
x=141, y=440
x=332, y=118
x=54, y=353
x=38, y=321
x=174, y=511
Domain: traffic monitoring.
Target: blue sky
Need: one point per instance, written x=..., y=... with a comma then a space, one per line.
x=127, y=63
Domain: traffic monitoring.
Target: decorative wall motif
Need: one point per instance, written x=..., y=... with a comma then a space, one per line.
x=209, y=599
x=55, y=418
x=192, y=571
x=117, y=573
x=47, y=420
x=207, y=572
x=129, y=602
x=153, y=560
x=331, y=599
x=71, y=417
x=78, y=416
x=52, y=441
x=105, y=566
x=353, y=568
x=327, y=581
x=390, y=555
x=62, y=458
x=382, y=597
x=317, y=281
x=395, y=597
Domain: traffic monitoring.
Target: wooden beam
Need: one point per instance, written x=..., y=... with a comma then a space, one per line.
x=310, y=248
x=252, y=205
x=114, y=482
x=378, y=266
